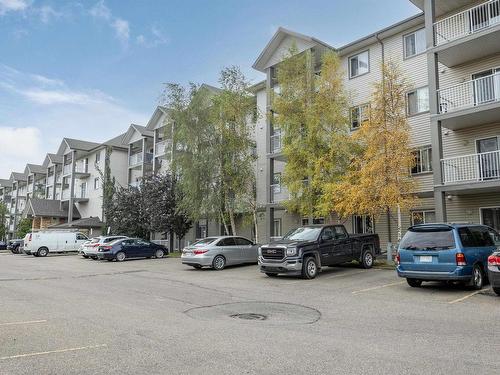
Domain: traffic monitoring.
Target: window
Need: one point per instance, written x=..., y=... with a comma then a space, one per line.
x=359, y=64
x=340, y=232
x=277, y=228
x=242, y=241
x=362, y=224
x=97, y=183
x=328, y=234
x=414, y=43
x=425, y=238
x=318, y=220
x=305, y=221
x=418, y=101
x=423, y=217
x=80, y=236
x=277, y=183
x=359, y=115
x=227, y=242
x=423, y=160
x=98, y=157
x=475, y=237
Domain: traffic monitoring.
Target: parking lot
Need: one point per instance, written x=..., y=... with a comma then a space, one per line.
x=68, y=315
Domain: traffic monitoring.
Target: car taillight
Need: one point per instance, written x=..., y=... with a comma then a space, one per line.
x=105, y=248
x=199, y=252
x=94, y=245
x=494, y=260
x=460, y=257
x=398, y=258
x=29, y=238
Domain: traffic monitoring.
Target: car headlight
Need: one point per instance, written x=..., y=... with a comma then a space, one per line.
x=260, y=251
x=291, y=251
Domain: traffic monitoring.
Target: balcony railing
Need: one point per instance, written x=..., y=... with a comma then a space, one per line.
x=67, y=169
x=279, y=193
x=135, y=159
x=81, y=167
x=50, y=180
x=468, y=94
x=163, y=147
x=467, y=22
x=276, y=142
x=471, y=168
x=78, y=194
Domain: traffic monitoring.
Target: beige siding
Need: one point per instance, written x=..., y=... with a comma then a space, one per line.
x=465, y=208
x=285, y=46
x=463, y=141
x=462, y=73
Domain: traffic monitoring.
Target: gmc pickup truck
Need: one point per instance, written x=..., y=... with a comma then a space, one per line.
x=305, y=250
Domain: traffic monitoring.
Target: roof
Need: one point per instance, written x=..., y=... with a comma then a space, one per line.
x=52, y=158
x=76, y=144
x=115, y=142
x=18, y=176
x=159, y=111
x=35, y=168
x=5, y=183
x=49, y=208
x=142, y=130
x=87, y=222
x=257, y=87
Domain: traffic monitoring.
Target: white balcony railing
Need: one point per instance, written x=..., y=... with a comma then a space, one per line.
x=163, y=147
x=471, y=168
x=467, y=22
x=78, y=194
x=81, y=167
x=50, y=180
x=135, y=159
x=279, y=193
x=470, y=93
x=276, y=142
x=67, y=169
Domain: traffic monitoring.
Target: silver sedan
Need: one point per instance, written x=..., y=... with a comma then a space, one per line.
x=219, y=252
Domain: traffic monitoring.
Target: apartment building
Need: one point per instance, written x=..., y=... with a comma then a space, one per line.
x=452, y=109
x=53, y=166
x=17, y=201
x=5, y=199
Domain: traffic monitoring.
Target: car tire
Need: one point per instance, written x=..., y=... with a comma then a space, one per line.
x=367, y=260
x=93, y=257
x=309, y=268
x=477, y=281
x=42, y=252
x=159, y=254
x=120, y=256
x=219, y=263
x=414, y=283
x=270, y=274
x=497, y=291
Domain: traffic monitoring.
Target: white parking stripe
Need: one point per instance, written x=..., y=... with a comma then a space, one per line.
x=467, y=296
x=378, y=287
x=19, y=323
x=54, y=351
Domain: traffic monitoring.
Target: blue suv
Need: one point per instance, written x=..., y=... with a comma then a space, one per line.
x=446, y=252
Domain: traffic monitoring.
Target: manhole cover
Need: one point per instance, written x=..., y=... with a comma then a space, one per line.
x=276, y=313
x=249, y=316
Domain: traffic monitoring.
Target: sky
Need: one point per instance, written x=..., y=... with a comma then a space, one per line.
x=88, y=69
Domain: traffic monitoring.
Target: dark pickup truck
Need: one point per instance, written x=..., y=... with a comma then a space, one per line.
x=305, y=250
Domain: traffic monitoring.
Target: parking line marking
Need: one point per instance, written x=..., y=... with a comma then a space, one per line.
x=54, y=351
x=19, y=323
x=378, y=287
x=467, y=296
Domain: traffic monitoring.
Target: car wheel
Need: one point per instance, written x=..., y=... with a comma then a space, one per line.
x=497, y=291
x=270, y=274
x=42, y=252
x=219, y=263
x=159, y=254
x=120, y=256
x=310, y=268
x=414, y=283
x=477, y=281
x=367, y=260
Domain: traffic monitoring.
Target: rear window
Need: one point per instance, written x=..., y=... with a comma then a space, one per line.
x=204, y=241
x=428, y=239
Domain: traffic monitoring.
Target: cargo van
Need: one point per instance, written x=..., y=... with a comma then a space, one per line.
x=44, y=242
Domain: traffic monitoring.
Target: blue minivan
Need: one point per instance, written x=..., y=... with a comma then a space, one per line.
x=446, y=252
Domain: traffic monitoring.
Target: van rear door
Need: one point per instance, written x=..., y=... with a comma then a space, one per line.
x=428, y=249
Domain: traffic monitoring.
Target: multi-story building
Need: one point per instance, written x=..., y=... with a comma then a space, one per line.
x=36, y=181
x=140, y=143
x=53, y=165
x=5, y=199
x=18, y=200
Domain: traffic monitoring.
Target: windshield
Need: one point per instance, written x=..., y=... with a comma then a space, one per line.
x=303, y=234
x=432, y=239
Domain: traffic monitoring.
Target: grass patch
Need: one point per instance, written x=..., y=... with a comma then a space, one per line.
x=175, y=254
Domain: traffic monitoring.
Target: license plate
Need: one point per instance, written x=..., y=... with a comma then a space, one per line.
x=426, y=259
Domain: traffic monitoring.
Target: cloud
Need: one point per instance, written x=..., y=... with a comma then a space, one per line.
x=157, y=38
x=13, y=6
x=42, y=110
x=47, y=13
x=120, y=26
x=10, y=139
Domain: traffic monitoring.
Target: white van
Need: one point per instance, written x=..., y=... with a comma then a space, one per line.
x=52, y=241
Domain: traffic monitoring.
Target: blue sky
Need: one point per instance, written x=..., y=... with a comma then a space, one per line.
x=87, y=69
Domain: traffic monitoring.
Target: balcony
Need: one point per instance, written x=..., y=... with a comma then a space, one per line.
x=163, y=147
x=66, y=169
x=470, y=103
x=483, y=167
x=80, y=195
x=276, y=144
x=468, y=35
x=279, y=193
x=81, y=169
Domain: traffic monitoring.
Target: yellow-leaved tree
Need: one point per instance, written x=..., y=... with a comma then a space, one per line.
x=378, y=178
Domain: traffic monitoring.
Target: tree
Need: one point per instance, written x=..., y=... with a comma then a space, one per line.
x=126, y=214
x=310, y=110
x=108, y=183
x=378, y=177
x=23, y=227
x=158, y=200
x=3, y=220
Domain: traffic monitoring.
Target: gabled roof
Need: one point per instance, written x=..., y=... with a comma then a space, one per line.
x=85, y=223
x=115, y=142
x=76, y=144
x=142, y=130
x=17, y=176
x=159, y=111
x=5, y=183
x=34, y=168
x=52, y=158
x=49, y=208
x=211, y=88
x=261, y=63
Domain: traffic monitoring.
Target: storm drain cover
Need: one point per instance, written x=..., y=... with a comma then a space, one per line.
x=257, y=311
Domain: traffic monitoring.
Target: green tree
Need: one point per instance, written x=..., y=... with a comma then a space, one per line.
x=310, y=110
x=378, y=177
x=108, y=183
x=23, y=227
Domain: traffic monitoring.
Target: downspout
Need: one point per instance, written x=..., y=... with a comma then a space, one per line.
x=388, y=212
